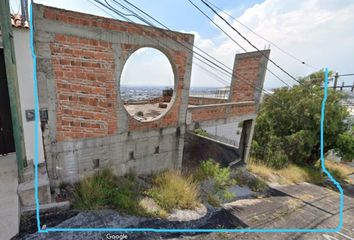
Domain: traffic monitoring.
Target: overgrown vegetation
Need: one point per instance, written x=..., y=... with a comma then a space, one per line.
x=172, y=190
x=294, y=174
x=290, y=134
x=103, y=189
x=213, y=170
x=220, y=176
x=201, y=132
x=345, y=170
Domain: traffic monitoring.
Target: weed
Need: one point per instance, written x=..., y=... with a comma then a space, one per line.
x=172, y=190
x=201, y=132
x=210, y=169
x=256, y=185
x=337, y=174
x=103, y=190
x=213, y=200
x=292, y=174
x=227, y=195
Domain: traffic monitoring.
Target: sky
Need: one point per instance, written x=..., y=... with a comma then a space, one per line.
x=319, y=32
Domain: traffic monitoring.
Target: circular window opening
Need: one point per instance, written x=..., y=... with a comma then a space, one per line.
x=147, y=84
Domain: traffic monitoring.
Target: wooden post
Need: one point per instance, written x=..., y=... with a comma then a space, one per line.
x=12, y=82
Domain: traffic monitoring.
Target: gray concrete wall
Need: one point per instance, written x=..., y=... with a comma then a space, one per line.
x=228, y=133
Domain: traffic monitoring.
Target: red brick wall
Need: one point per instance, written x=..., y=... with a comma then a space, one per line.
x=84, y=72
x=221, y=112
x=246, y=70
x=86, y=87
x=88, y=20
x=170, y=119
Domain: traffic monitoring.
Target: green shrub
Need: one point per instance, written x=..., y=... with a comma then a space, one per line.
x=213, y=200
x=227, y=195
x=256, y=185
x=94, y=192
x=337, y=174
x=201, y=132
x=172, y=190
x=103, y=190
x=210, y=169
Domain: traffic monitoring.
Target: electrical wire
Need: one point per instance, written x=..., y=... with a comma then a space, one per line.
x=232, y=39
x=260, y=36
x=241, y=78
x=146, y=14
x=246, y=39
x=191, y=50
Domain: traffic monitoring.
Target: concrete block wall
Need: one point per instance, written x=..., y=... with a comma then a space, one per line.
x=80, y=60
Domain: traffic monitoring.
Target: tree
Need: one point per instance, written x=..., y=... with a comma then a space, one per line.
x=288, y=124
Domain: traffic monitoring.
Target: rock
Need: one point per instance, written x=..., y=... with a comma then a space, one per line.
x=187, y=215
x=241, y=191
x=151, y=206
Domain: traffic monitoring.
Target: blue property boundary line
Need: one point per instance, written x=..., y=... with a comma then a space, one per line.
x=291, y=230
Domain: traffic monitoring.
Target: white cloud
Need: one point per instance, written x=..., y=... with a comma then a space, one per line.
x=319, y=32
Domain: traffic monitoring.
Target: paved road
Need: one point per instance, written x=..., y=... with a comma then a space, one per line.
x=303, y=206
x=9, y=204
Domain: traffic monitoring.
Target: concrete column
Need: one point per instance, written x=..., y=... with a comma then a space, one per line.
x=246, y=139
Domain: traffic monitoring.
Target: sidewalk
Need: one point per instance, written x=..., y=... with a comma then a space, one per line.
x=9, y=203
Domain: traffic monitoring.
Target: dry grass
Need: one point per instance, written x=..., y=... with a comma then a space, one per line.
x=262, y=171
x=292, y=174
x=171, y=190
x=342, y=170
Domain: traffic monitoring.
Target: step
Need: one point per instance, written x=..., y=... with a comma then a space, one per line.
x=26, y=191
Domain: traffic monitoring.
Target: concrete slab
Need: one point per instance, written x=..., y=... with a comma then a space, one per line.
x=150, y=111
x=301, y=206
x=9, y=202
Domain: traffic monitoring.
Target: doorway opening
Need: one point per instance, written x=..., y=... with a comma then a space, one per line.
x=7, y=143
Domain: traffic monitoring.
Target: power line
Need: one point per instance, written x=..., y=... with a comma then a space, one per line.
x=301, y=83
x=248, y=41
x=239, y=77
x=260, y=36
x=189, y=49
x=163, y=25
x=196, y=46
x=232, y=39
x=154, y=19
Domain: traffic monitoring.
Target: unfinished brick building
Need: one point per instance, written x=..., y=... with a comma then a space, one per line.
x=80, y=60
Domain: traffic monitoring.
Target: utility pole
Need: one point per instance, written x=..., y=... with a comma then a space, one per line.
x=336, y=81
x=12, y=82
